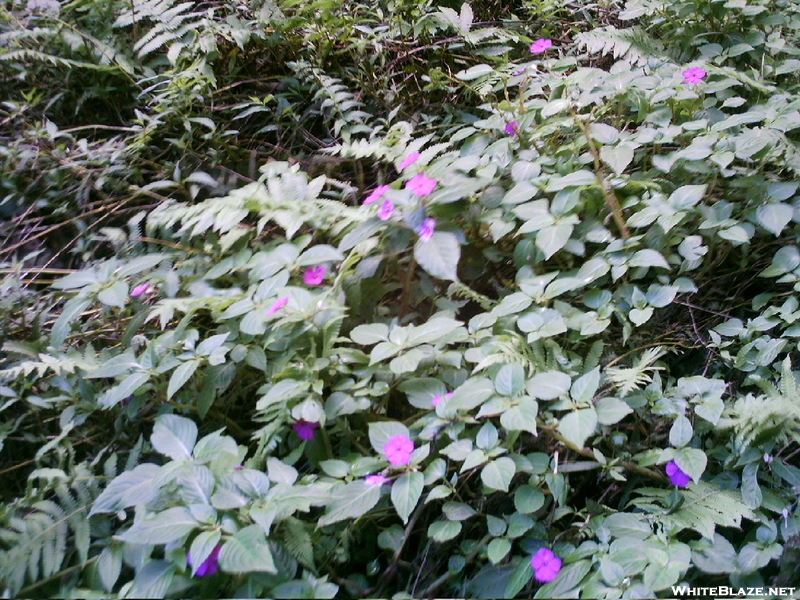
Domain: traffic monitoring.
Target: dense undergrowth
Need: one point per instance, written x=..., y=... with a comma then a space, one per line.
x=255, y=254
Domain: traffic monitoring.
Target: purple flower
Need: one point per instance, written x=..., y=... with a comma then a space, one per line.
x=426, y=230
x=277, y=305
x=142, y=288
x=694, y=75
x=540, y=46
x=305, y=429
x=511, y=128
x=375, y=479
x=315, y=275
x=435, y=401
x=238, y=468
x=209, y=566
x=409, y=160
x=546, y=565
x=676, y=476
x=421, y=185
x=398, y=450
x=376, y=194
x=386, y=211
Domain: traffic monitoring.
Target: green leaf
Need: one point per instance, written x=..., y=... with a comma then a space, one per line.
x=116, y=295
x=528, y=499
x=681, y=432
x=611, y=410
x=549, y=385
x=174, y=436
x=202, y=546
x=406, y=492
x=717, y=558
x=439, y=256
x=152, y=580
x=751, y=491
x=648, y=258
x=128, y=489
x=109, y=566
x=628, y=525
x=566, y=581
x=521, y=417
x=509, y=380
x=71, y=311
x=181, y=375
x=687, y=196
x=498, y=549
x=617, y=157
x=442, y=531
x=474, y=72
x=498, y=473
x=605, y=134
x=774, y=217
x=519, y=579
x=119, y=392
x=691, y=461
x=578, y=425
x=584, y=388
x=163, y=528
x=552, y=238
x=247, y=552
x=351, y=501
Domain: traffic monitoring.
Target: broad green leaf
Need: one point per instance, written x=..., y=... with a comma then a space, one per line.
x=719, y=557
x=181, y=375
x=474, y=72
x=247, y=552
x=202, y=546
x=509, y=380
x=584, y=388
x=439, y=256
x=174, y=436
x=498, y=473
x=628, y=525
x=691, y=461
x=109, y=566
x=687, y=196
x=566, y=581
x=115, y=295
x=774, y=217
x=519, y=579
x=128, y=489
x=549, y=385
x=498, y=549
x=648, y=258
x=71, y=311
x=751, y=491
x=351, y=501
x=442, y=531
x=123, y=390
x=617, y=157
x=552, y=238
x=406, y=492
x=163, y=528
x=578, y=425
x=521, y=417
x=605, y=134
x=681, y=432
x=528, y=499
x=611, y=410
x=152, y=580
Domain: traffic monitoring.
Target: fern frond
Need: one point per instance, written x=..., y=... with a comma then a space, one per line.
x=460, y=290
x=628, y=379
x=633, y=44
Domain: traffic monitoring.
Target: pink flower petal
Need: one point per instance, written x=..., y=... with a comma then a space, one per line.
x=409, y=160
x=277, y=305
x=376, y=194
x=427, y=229
x=386, y=211
x=314, y=275
x=142, y=288
x=305, y=429
x=375, y=479
x=421, y=184
x=540, y=46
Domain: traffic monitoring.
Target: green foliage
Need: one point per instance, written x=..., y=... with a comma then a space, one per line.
x=577, y=267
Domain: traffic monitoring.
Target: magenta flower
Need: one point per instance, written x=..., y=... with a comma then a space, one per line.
x=511, y=128
x=546, y=565
x=277, y=305
x=315, y=275
x=209, y=566
x=376, y=194
x=676, y=476
x=409, y=160
x=435, y=401
x=142, y=288
x=398, y=450
x=540, y=46
x=421, y=185
x=694, y=75
x=305, y=429
x=426, y=230
x=375, y=479
x=386, y=211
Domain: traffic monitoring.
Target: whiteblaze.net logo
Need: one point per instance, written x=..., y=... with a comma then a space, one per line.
x=732, y=592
